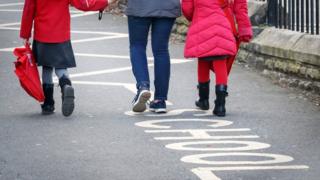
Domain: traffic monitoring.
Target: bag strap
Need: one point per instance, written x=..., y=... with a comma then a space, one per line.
x=100, y=15
x=224, y=4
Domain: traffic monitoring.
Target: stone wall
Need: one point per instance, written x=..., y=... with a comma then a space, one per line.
x=118, y=7
x=289, y=58
x=257, y=11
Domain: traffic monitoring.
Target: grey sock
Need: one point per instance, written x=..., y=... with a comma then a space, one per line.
x=47, y=75
x=62, y=72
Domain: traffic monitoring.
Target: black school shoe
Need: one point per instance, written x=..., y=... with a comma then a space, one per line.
x=67, y=96
x=48, y=105
x=139, y=103
x=158, y=106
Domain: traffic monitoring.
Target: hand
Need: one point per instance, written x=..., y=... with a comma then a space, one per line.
x=25, y=41
x=245, y=38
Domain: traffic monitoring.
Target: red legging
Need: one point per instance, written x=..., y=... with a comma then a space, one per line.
x=219, y=67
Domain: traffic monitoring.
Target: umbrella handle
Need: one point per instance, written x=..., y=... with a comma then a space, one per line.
x=27, y=45
x=25, y=41
x=29, y=53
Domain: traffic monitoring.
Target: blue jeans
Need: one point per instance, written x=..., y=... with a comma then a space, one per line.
x=160, y=34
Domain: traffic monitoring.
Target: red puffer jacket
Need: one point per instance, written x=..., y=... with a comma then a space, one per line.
x=211, y=33
x=52, y=18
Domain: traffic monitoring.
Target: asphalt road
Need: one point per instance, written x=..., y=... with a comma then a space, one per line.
x=268, y=133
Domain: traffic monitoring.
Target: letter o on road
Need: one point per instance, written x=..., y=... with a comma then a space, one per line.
x=249, y=145
x=198, y=158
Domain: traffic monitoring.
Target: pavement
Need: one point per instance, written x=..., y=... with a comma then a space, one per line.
x=268, y=133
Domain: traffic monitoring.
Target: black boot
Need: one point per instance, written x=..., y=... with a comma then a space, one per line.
x=67, y=92
x=220, y=102
x=203, y=101
x=48, y=105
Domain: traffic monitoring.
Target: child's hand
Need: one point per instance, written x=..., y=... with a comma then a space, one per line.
x=245, y=38
x=25, y=41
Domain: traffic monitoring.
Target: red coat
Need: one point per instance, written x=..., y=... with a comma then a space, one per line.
x=51, y=19
x=211, y=33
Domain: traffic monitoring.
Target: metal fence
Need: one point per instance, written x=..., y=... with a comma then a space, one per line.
x=297, y=15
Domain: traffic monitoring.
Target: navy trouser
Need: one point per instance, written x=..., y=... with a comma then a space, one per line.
x=160, y=34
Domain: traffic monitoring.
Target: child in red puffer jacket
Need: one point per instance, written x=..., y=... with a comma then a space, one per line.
x=216, y=30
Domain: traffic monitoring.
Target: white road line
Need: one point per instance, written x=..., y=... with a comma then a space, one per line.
x=173, y=60
x=77, y=41
x=20, y=10
x=188, y=130
x=72, y=16
x=129, y=86
x=10, y=10
x=7, y=49
x=102, y=56
x=154, y=124
x=113, y=36
x=213, y=146
x=201, y=134
x=10, y=24
x=98, y=32
x=109, y=56
x=175, y=112
x=4, y=27
x=204, y=113
x=207, y=138
x=241, y=168
x=133, y=89
x=10, y=28
x=83, y=14
x=206, y=173
x=107, y=71
x=101, y=83
x=98, y=39
x=76, y=11
x=11, y=4
x=271, y=158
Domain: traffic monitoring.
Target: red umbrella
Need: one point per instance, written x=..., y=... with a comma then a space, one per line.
x=27, y=72
x=231, y=59
x=230, y=16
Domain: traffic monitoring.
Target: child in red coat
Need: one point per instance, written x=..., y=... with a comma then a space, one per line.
x=52, y=46
x=214, y=39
